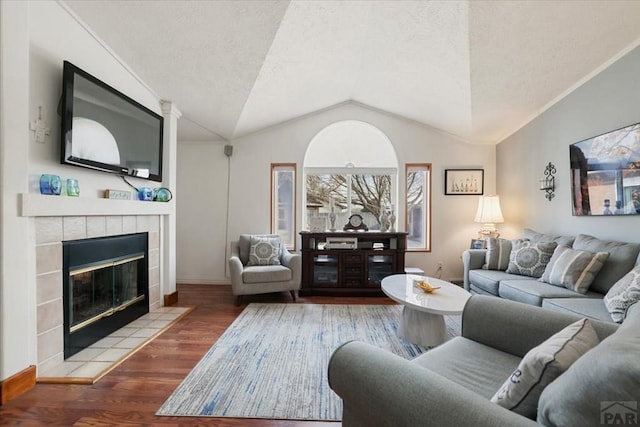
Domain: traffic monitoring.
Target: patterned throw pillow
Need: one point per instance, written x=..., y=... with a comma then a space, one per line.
x=573, y=269
x=264, y=251
x=530, y=259
x=623, y=294
x=497, y=257
x=543, y=364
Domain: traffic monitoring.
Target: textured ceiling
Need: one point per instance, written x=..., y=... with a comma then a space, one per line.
x=478, y=69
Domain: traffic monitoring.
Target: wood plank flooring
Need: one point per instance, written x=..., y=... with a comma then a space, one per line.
x=131, y=393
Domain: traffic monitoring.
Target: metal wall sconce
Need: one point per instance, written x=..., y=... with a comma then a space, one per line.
x=548, y=183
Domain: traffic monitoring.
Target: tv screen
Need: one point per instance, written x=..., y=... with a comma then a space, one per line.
x=106, y=130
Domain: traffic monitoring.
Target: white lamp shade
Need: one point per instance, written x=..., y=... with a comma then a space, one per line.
x=489, y=210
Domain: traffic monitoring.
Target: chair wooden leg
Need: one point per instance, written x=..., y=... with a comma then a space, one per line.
x=237, y=300
x=294, y=295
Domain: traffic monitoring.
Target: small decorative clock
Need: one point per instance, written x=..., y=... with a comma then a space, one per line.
x=355, y=223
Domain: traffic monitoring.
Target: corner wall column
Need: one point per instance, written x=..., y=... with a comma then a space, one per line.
x=169, y=179
x=17, y=279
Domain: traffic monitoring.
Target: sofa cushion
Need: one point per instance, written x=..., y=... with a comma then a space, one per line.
x=488, y=280
x=531, y=291
x=543, y=364
x=534, y=236
x=622, y=258
x=530, y=259
x=592, y=308
x=475, y=366
x=624, y=293
x=607, y=374
x=266, y=274
x=573, y=269
x=497, y=256
x=264, y=250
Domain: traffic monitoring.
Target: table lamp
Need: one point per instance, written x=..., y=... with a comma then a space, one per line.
x=488, y=214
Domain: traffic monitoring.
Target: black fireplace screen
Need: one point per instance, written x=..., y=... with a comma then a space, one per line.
x=105, y=287
x=101, y=290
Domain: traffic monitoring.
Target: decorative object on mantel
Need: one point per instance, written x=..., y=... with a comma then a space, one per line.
x=73, y=188
x=117, y=194
x=463, y=182
x=145, y=194
x=489, y=214
x=548, y=183
x=50, y=184
x=605, y=173
x=162, y=194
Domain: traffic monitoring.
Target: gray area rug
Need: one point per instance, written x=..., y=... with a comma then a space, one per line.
x=272, y=361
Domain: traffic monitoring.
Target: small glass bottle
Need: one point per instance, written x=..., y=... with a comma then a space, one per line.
x=73, y=188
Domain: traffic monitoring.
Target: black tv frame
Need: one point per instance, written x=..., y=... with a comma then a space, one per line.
x=66, y=112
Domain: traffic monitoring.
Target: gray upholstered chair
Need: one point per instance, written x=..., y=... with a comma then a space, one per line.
x=262, y=277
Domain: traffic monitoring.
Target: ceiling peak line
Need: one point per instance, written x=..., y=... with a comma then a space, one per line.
x=257, y=78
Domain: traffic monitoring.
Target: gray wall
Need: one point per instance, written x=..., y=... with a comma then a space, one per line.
x=608, y=101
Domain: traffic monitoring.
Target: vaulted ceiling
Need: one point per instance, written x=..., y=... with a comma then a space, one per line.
x=475, y=69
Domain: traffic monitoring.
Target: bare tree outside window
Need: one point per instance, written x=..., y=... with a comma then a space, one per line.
x=344, y=194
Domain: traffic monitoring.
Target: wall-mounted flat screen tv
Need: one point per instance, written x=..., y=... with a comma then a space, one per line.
x=106, y=130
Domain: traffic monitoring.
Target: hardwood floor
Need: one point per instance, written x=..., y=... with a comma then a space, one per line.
x=131, y=393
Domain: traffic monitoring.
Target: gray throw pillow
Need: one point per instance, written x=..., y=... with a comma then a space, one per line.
x=623, y=294
x=497, y=256
x=264, y=251
x=543, y=364
x=530, y=259
x=573, y=269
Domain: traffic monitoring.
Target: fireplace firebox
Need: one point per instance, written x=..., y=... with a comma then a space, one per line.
x=105, y=287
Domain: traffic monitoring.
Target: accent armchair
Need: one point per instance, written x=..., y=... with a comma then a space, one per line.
x=261, y=263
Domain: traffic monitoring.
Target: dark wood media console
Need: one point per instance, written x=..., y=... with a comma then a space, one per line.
x=350, y=263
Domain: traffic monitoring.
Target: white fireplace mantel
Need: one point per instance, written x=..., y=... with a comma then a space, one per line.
x=33, y=205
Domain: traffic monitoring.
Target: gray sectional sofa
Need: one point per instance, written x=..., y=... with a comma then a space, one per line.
x=452, y=384
x=622, y=258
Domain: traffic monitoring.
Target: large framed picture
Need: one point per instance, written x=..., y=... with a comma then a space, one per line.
x=605, y=173
x=460, y=182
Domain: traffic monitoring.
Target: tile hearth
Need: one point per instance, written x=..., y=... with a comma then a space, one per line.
x=93, y=362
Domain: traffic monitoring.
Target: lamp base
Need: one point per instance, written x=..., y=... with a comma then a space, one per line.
x=488, y=231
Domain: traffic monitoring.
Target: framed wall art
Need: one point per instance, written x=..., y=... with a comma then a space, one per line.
x=605, y=173
x=477, y=244
x=463, y=182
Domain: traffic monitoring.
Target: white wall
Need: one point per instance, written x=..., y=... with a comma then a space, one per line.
x=55, y=36
x=202, y=212
x=35, y=38
x=607, y=102
x=249, y=203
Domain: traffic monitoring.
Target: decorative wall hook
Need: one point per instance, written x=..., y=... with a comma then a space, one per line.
x=548, y=183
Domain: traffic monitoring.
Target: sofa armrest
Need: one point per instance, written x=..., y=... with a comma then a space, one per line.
x=235, y=265
x=472, y=259
x=379, y=388
x=515, y=327
x=294, y=262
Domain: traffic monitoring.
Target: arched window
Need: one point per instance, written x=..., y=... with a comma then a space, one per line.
x=349, y=167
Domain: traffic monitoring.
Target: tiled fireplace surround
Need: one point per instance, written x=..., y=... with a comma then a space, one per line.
x=50, y=231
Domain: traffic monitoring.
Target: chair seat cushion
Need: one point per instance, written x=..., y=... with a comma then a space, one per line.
x=475, y=366
x=266, y=274
x=533, y=291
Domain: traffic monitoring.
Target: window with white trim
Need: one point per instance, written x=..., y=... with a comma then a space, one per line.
x=283, y=202
x=418, y=206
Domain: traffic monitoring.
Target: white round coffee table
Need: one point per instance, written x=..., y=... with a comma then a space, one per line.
x=422, y=320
